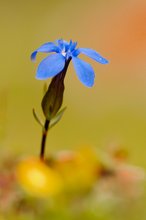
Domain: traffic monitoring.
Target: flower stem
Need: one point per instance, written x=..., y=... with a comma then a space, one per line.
x=51, y=103
x=44, y=136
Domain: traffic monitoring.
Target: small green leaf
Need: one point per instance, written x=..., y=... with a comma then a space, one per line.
x=57, y=118
x=37, y=118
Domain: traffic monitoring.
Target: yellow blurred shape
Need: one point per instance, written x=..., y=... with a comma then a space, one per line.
x=79, y=169
x=37, y=178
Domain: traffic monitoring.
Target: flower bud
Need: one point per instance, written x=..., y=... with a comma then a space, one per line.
x=53, y=98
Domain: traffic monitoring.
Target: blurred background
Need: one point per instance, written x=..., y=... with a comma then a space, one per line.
x=113, y=112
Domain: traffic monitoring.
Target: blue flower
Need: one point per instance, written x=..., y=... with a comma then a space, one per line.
x=63, y=51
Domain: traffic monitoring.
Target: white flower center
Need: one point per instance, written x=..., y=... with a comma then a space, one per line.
x=63, y=52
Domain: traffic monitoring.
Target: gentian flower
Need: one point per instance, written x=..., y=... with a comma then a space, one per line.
x=64, y=51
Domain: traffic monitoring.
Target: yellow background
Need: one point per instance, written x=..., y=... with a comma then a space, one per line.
x=112, y=112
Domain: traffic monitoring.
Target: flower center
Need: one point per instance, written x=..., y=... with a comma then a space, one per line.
x=63, y=52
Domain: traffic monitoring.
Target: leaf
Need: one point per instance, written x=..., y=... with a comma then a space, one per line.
x=37, y=118
x=57, y=117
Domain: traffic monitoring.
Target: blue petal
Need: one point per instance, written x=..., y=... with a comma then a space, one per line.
x=60, y=43
x=84, y=71
x=68, y=45
x=50, y=66
x=92, y=54
x=73, y=46
x=76, y=52
x=46, y=48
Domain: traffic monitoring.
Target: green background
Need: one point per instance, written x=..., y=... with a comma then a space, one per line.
x=113, y=112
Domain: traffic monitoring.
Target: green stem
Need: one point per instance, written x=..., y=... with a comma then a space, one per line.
x=44, y=136
x=56, y=83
